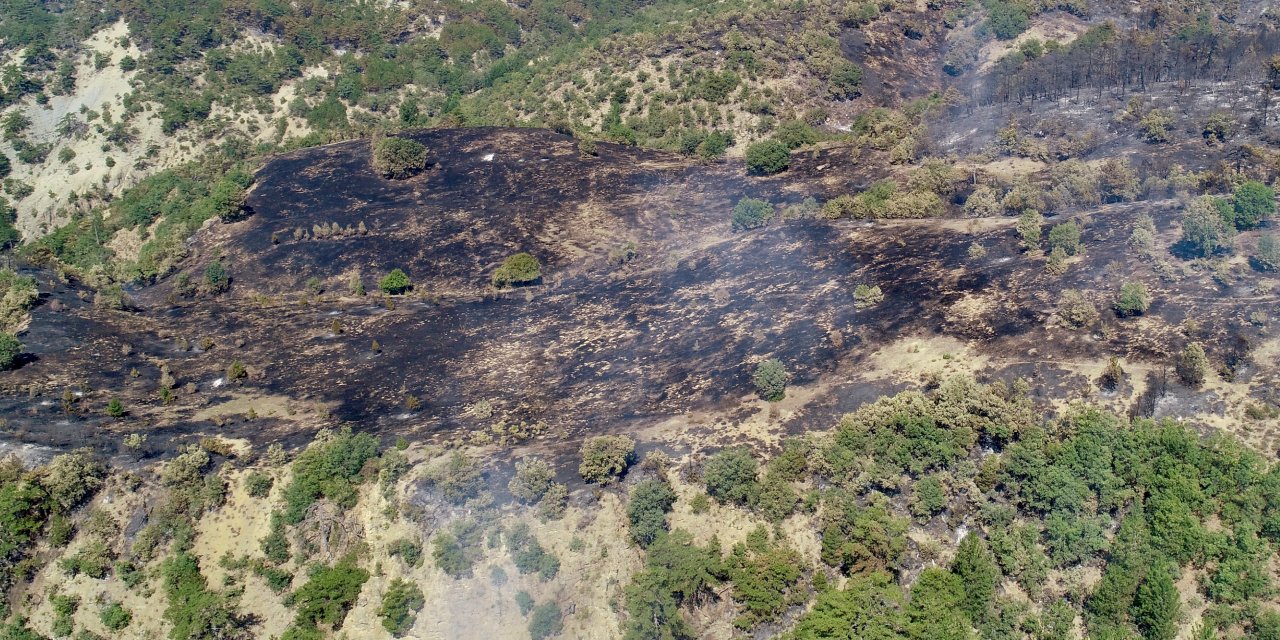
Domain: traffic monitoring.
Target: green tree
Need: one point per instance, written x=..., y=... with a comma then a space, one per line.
x=768, y=156
x=770, y=380
x=929, y=497
x=400, y=605
x=935, y=610
x=1156, y=606
x=521, y=268
x=976, y=567
x=606, y=457
x=1065, y=236
x=647, y=510
x=329, y=594
x=546, y=621
x=868, y=608
x=398, y=157
x=1203, y=227
x=395, y=283
x=1253, y=202
x=1029, y=229
x=1192, y=365
x=10, y=349
x=730, y=475
x=1132, y=299
x=750, y=213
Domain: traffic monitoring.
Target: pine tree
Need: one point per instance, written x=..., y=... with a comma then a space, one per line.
x=1156, y=606
x=978, y=574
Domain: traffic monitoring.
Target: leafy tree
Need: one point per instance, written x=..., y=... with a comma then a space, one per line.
x=10, y=349
x=767, y=157
x=751, y=213
x=1156, y=606
x=528, y=554
x=398, y=157
x=1029, y=229
x=395, y=283
x=1065, y=236
x=532, y=479
x=770, y=379
x=935, y=610
x=870, y=607
x=521, y=268
x=651, y=500
x=546, y=622
x=606, y=457
x=1192, y=365
x=1253, y=202
x=730, y=475
x=329, y=594
x=400, y=605
x=795, y=134
x=1132, y=299
x=765, y=580
x=978, y=573
x=1203, y=226
x=676, y=571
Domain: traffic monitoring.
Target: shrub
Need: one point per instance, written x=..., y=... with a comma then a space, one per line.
x=524, y=601
x=1253, y=202
x=866, y=296
x=258, y=484
x=400, y=605
x=395, y=283
x=606, y=457
x=532, y=480
x=750, y=213
x=216, y=279
x=651, y=500
x=1156, y=126
x=546, y=621
x=795, y=134
x=767, y=157
x=770, y=380
x=115, y=617
x=398, y=157
x=10, y=349
x=1267, y=255
x=730, y=476
x=1132, y=299
x=521, y=268
x=1192, y=365
x=845, y=81
x=1076, y=310
x=408, y=550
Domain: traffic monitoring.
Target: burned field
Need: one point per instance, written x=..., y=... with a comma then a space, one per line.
x=604, y=342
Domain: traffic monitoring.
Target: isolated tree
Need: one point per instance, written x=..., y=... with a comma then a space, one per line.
x=10, y=349
x=1192, y=365
x=768, y=156
x=395, y=283
x=521, y=268
x=976, y=567
x=1253, y=201
x=770, y=379
x=1156, y=606
x=1132, y=299
x=1203, y=226
x=1065, y=236
x=398, y=157
x=606, y=457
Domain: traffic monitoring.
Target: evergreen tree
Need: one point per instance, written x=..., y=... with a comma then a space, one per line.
x=1156, y=606
x=976, y=567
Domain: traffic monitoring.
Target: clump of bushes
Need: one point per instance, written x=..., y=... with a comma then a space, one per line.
x=866, y=296
x=606, y=457
x=398, y=157
x=329, y=468
x=521, y=268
